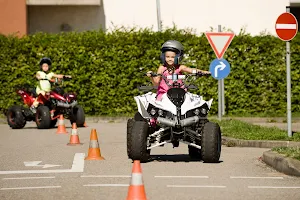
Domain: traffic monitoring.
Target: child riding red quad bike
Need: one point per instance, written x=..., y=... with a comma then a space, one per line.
x=51, y=106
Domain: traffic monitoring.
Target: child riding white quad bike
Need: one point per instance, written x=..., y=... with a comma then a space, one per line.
x=178, y=116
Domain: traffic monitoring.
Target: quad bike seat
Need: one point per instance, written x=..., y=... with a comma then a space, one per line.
x=59, y=91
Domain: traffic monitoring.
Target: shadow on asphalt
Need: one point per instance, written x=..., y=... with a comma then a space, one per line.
x=37, y=128
x=174, y=158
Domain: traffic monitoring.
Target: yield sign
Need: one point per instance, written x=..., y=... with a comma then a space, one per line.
x=286, y=26
x=219, y=42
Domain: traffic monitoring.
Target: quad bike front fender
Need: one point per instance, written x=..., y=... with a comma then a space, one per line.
x=142, y=108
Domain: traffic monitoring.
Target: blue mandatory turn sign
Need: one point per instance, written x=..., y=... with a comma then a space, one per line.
x=219, y=68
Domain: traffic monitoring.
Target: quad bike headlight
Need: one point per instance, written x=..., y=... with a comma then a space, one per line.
x=203, y=111
x=197, y=112
x=153, y=111
x=160, y=112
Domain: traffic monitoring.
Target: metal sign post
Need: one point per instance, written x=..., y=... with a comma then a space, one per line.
x=286, y=27
x=288, y=85
x=222, y=99
x=220, y=94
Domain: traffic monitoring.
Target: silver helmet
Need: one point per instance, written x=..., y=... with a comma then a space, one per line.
x=175, y=46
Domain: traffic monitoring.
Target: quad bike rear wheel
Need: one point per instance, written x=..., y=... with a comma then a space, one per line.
x=78, y=116
x=137, y=142
x=15, y=117
x=211, y=142
x=43, y=118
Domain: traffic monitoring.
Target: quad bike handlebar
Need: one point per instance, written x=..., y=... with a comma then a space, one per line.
x=176, y=77
x=57, y=80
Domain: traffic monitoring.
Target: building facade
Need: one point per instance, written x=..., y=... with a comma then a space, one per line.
x=30, y=16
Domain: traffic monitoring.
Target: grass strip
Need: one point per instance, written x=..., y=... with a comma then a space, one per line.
x=292, y=152
x=246, y=131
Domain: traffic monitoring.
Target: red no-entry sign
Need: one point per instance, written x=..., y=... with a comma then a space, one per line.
x=286, y=26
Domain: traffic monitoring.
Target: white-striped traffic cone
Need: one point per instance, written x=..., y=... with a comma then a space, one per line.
x=136, y=189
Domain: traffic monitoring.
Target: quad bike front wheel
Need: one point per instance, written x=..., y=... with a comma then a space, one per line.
x=130, y=123
x=43, y=118
x=15, y=117
x=137, y=142
x=211, y=142
x=78, y=116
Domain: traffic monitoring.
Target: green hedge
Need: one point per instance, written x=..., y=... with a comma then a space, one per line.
x=106, y=68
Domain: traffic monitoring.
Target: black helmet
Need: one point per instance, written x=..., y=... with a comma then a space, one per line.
x=45, y=60
x=175, y=46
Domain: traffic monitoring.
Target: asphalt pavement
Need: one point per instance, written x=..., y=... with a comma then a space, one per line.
x=37, y=164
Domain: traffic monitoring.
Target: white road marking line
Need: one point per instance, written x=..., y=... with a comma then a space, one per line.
x=268, y=177
x=181, y=176
x=106, y=185
x=272, y=187
x=197, y=186
x=36, y=164
x=26, y=188
x=286, y=26
x=78, y=162
x=15, y=178
x=78, y=166
x=105, y=176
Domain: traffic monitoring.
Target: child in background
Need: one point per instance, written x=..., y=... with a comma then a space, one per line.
x=44, y=76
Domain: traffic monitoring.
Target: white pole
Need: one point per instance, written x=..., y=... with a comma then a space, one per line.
x=288, y=84
x=158, y=15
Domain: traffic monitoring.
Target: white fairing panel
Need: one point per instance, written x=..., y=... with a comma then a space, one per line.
x=191, y=102
x=143, y=102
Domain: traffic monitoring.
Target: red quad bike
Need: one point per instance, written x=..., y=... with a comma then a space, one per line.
x=51, y=106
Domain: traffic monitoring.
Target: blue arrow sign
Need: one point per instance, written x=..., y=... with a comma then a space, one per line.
x=219, y=68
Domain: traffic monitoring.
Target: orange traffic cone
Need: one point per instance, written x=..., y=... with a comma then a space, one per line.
x=61, y=128
x=94, y=150
x=74, y=138
x=136, y=189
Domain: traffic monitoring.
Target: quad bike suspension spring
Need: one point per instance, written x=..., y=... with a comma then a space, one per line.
x=158, y=134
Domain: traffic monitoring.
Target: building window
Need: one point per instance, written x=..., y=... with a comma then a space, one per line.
x=295, y=10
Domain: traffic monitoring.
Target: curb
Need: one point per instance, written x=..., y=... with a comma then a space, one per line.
x=231, y=142
x=281, y=163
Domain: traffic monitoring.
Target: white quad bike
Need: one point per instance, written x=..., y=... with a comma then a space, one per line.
x=179, y=117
